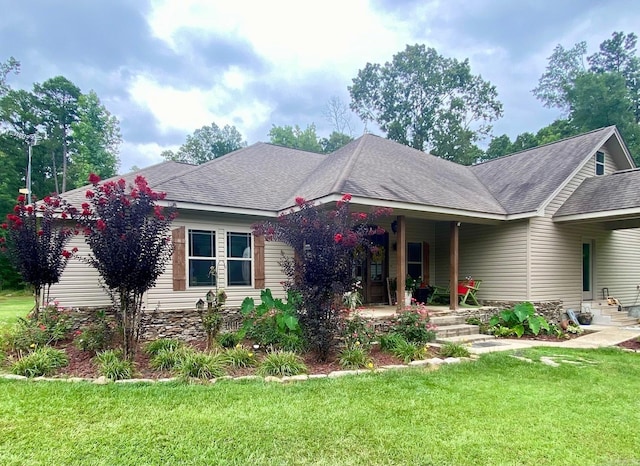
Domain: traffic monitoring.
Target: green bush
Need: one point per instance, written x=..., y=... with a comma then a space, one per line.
x=274, y=322
x=113, y=366
x=410, y=351
x=201, y=365
x=454, y=350
x=390, y=341
x=162, y=344
x=96, y=336
x=169, y=359
x=282, y=363
x=520, y=320
x=229, y=339
x=40, y=362
x=52, y=325
x=240, y=357
x=355, y=357
x=357, y=329
x=413, y=325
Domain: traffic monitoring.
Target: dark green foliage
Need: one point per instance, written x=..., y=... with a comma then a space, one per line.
x=201, y=365
x=354, y=357
x=169, y=358
x=240, y=357
x=520, y=320
x=229, y=339
x=113, y=366
x=409, y=351
x=162, y=344
x=40, y=362
x=274, y=322
x=454, y=350
x=428, y=102
x=96, y=336
x=390, y=341
x=281, y=363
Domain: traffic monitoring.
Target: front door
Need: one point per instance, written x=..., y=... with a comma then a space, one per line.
x=376, y=271
x=587, y=270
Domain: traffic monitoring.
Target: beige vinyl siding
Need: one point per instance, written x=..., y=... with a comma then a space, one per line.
x=79, y=286
x=618, y=265
x=418, y=231
x=495, y=254
x=556, y=249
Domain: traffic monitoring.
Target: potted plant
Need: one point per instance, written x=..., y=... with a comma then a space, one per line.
x=410, y=286
x=585, y=318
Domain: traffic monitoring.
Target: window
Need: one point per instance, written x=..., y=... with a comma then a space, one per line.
x=202, y=258
x=599, y=163
x=414, y=260
x=239, y=259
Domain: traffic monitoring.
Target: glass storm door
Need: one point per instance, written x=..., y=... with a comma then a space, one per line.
x=587, y=270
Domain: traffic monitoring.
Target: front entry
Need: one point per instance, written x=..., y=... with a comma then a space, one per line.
x=373, y=272
x=587, y=270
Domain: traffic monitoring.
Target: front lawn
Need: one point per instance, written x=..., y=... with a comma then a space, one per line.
x=498, y=410
x=14, y=305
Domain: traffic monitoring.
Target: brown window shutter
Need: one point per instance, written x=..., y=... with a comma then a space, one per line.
x=178, y=260
x=258, y=264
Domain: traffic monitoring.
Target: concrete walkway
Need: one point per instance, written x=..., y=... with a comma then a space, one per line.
x=603, y=336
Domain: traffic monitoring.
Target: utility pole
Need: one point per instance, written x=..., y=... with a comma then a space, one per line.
x=31, y=141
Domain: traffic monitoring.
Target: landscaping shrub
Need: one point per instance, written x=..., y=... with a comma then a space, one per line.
x=356, y=328
x=162, y=344
x=520, y=320
x=96, y=336
x=281, y=363
x=201, y=365
x=454, y=350
x=409, y=351
x=412, y=323
x=274, y=322
x=211, y=317
x=169, y=358
x=240, y=357
x=390, y=341
x=354, y=357
x=325, y=244
x=113, y=366
x=229, y=339
x=40, y=362
x=50, y=325
x=127, y=232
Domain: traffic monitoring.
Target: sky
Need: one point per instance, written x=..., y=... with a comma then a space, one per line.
x=165, y=68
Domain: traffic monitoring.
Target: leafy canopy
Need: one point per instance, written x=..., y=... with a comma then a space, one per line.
x=427, y=101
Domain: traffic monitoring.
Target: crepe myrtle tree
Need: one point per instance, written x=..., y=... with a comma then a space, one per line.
x=128, y=234
x=326, y=244
x=34, y=240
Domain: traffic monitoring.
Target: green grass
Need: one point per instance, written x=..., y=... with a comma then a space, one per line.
x=498, y=410
x=14, y=305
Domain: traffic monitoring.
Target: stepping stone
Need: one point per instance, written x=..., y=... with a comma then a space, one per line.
x=549, y=362
x=522, y=358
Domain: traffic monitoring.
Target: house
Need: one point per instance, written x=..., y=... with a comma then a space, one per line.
x=557, y=223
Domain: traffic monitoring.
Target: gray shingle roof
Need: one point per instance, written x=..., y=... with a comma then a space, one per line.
x=154, y=174
x=522, y=182
x=601, y=193
x=377, y=168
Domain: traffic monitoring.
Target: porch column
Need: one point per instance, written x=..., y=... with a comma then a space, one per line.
x=401, y=257
x=453, y=265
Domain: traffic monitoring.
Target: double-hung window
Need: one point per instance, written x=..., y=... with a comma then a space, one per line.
x=202, y=258
x=599, y=163
x=239, y=259
x=414, y=260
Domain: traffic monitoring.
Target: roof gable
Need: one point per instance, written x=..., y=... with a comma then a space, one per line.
x=527, y=180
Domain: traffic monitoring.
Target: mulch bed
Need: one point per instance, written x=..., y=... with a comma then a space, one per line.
x=81, y=364
x=633, y=344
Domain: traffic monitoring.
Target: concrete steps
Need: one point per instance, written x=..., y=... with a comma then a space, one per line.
x=473, y=338
x=456, y=330
x=609, y=315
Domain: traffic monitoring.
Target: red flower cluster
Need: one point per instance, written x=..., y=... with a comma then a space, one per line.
x=338, y=237
x=66, y=254
x=300, y=201
x=101, y=225
x=94, y=179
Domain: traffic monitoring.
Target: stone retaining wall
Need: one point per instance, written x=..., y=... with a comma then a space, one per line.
x=550, y=310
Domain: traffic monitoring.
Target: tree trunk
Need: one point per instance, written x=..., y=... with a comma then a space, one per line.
x=55, y=169
x=64, y=160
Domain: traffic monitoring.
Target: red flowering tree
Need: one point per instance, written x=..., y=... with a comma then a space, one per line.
x=128, y=233
x=326, y=243
x=35, y=243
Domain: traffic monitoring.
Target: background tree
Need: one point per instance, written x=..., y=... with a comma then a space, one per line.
x=128, y=235
x=36, y=242
x=334, y=142
x=96, y=140
x=295, y=137
x=10, y=66
x=207, y=143
x=59, y=103
x=338, y=114
x=427, y=101
x=325, y=244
